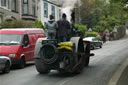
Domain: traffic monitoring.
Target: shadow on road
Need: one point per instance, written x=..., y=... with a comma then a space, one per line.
x=15, y=67
x=57, y=74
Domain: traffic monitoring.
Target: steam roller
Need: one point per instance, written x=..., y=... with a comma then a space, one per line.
x=71, y=56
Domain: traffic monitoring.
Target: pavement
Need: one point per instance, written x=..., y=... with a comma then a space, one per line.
x=121, y=75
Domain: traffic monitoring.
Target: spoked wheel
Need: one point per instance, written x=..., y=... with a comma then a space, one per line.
x=7, y=67
x=79, y=61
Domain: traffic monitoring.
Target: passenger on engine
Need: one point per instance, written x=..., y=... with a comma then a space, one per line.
x=63, y=27
x=51, y=27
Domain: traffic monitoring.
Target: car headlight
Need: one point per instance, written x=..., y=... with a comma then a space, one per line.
x=12, y=55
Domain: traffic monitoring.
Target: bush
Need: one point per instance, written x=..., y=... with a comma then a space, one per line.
x=82, y=28
x=38, y=24
x=17, y=24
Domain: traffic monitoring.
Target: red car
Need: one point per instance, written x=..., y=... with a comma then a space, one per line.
x=19, y=44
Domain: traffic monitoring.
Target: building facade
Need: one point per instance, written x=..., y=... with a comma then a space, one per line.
x=6, y=11
x=47, y=8
x=29, y=10
x=18, y=9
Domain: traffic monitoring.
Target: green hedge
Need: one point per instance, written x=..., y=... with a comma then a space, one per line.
x=22, y=24
x=91, y=34
x=17, y=24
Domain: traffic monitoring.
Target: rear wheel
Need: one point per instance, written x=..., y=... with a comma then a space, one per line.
x=7, y=67
x=40, y=67
x=22, y=63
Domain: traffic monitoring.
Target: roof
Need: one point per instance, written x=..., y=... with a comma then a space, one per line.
x=21, y=31
x=54, y=2
x=88, y=38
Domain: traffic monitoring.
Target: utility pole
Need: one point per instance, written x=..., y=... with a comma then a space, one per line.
x=79, y=21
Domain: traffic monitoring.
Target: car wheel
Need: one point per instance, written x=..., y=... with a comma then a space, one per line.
x=101, y=46
x=7, y=67
x=22, y=63
x=93, y=48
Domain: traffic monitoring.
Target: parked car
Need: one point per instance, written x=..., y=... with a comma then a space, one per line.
x=94, y=42
x=5, y=64
x=19, y=44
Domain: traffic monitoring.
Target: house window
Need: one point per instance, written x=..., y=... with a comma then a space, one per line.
x=5, y=3
x=53, y=10
x=0, y=19
x=14, y=5
x=59, y=14
x=46, y=10
x=33, y=10
x=25, y=6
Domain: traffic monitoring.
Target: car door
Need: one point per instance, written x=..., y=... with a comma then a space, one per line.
x=99, y=43
x=96, y=42
x=26, y=48
x=32, y=39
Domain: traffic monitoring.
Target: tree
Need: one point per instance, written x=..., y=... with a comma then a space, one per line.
x=124, y=9
x=90, y=12
x=121, y=1
x=100, y=15
x=38, y=24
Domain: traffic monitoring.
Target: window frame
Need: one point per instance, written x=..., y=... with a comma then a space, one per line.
x=15, y=5
x=46, y=9
x=25, y=2
x=53, y=11
x=33, y=10
x=5, y=3
x=25, y=36
x=1, y=19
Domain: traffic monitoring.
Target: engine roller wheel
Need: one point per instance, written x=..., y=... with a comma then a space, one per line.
x=40, y=67
x=79, y=59
x=87, y=59
x=87, y=55
x=81, y=62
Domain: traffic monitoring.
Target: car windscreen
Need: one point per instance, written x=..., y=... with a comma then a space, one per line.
x=94, y=39
x=10, y=39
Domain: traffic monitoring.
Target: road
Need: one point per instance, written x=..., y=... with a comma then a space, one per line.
x=101, y=68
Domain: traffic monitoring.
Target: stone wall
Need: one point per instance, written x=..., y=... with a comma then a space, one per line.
x=121, y=32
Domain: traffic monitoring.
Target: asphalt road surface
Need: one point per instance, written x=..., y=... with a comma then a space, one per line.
x=101, y=68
